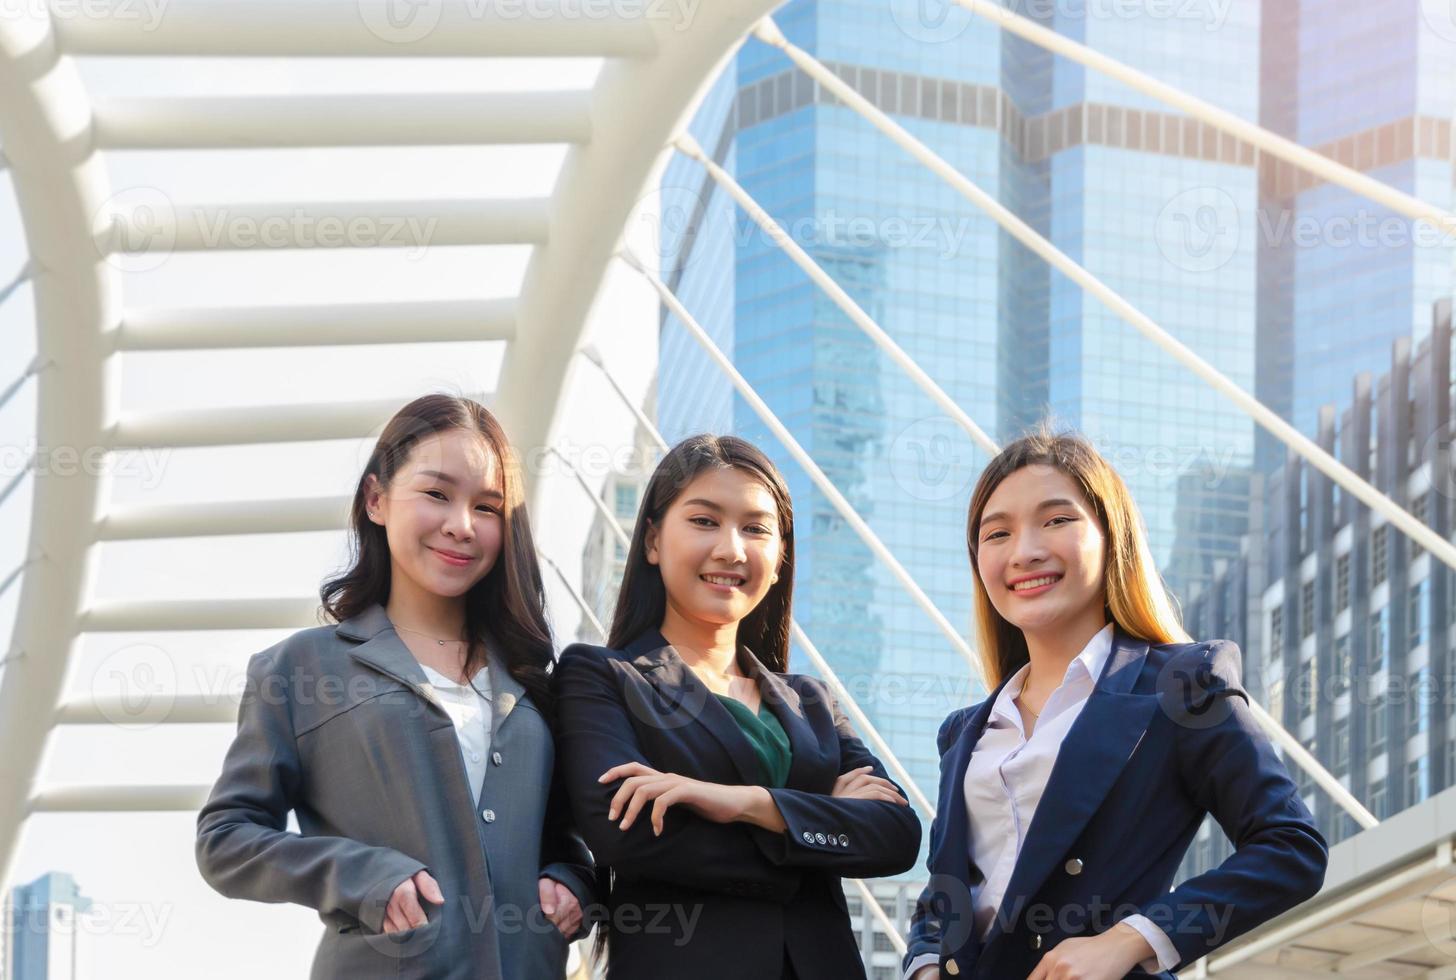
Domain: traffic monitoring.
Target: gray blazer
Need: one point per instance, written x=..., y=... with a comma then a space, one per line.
x=338, y=725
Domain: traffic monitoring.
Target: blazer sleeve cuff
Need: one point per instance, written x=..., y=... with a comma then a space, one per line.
x=1165, y=954
x=923, y=960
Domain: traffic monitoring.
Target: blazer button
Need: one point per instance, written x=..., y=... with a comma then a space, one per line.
x=808, y=837
x=488, y=816
x=843, y=840
x=953, y=968
x=1034, y=941
x=495, y=757
x=820, y=838
x=1074, y=866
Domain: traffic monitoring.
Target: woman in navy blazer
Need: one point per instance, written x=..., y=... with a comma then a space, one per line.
x=1069, y=796
x=723, y=798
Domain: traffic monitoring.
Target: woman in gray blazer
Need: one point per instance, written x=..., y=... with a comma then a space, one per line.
x=412, y=738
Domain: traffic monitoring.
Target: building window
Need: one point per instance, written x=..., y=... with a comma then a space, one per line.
x=1419, y=508
x=882, y=942
x=1418, y=613
x=1378, y=804
x=1276, y=633
x=1343, y=665
x=1378, y=563
x=625, y=500
x=1417, y=780
x=1379, y=641
x=1340, y=746
x=1342, y=582
x=1306, y=609
x=1304, y=689
x=1415, y=699
x=1377, y=726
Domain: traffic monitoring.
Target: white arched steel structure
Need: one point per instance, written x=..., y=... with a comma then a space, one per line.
x=654, y=71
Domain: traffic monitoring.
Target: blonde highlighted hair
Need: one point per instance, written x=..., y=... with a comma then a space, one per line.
x=1138, y=602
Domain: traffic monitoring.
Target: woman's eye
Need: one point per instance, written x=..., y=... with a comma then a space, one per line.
x=758, y=529
x=487, y=508
x=993, y=535
x=436, y=494
x=703, y=521
x=1060, y=518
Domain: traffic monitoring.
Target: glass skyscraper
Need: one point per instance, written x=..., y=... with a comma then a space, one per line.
x=1113, y=181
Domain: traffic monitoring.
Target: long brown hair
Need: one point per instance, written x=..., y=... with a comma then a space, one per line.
x=642, y=602
x=1138, y=601
x=506, y=609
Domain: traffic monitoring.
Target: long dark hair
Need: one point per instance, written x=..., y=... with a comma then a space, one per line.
x=642, y=602
x=506, y=609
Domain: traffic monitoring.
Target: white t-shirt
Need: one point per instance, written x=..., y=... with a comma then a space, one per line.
x=469, y=709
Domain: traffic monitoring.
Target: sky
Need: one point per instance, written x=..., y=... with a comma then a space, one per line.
x=154, y=916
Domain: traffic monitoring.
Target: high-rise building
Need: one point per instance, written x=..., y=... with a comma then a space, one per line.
x=47, y=937
x=1345, y=624
x=1341, y=278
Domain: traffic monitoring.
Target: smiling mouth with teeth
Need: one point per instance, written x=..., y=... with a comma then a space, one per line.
x=726, y=580
x=1035, y=583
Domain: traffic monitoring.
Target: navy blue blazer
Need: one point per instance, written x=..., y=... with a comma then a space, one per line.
x=1165, y=737
x=727, y=900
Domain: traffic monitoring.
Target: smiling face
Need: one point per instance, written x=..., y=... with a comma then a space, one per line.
x=1041, y=552
x=718, y=547
x=442, y=514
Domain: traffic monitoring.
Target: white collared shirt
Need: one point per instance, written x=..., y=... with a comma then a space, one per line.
x=469, y=708
x=1006, y=778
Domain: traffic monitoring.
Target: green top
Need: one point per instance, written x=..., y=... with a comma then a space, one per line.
x=767, y=736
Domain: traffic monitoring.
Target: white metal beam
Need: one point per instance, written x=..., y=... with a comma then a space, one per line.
x=165, y=227
x=234, y=327
x=356, y=29
x=164, y=615
x=443, y=119
x=252, y=425
x=181, y=709
x=127, y=522
x=117, y=799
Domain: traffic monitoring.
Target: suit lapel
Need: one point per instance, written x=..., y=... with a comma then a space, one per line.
x=953, y=856
x=1092, y=756
x=808, y=763
x=383, y=650
x=689, y=700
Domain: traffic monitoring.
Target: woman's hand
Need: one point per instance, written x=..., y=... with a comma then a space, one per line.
x=860, y=784
x=642, y=785
x=404, y=911
x=560, y=906
x=1108, y=956
x=928, y=972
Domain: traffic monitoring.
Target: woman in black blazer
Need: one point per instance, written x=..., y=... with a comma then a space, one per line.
x=722, y=799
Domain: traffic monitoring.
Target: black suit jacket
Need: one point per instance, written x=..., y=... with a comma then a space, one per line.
x=708, y=900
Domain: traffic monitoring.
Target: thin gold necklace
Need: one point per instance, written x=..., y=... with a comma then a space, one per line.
x=426, y=635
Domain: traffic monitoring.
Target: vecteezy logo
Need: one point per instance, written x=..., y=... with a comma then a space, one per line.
x=930, y=21
x=135, y=686
x=1440, y=16
x=135, y=230
x=400, y=21
x=1198, y=231
x=931, y=459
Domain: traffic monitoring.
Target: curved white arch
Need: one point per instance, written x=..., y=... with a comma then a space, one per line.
x=655, y=72
x=637, y=108
x=60, y=186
